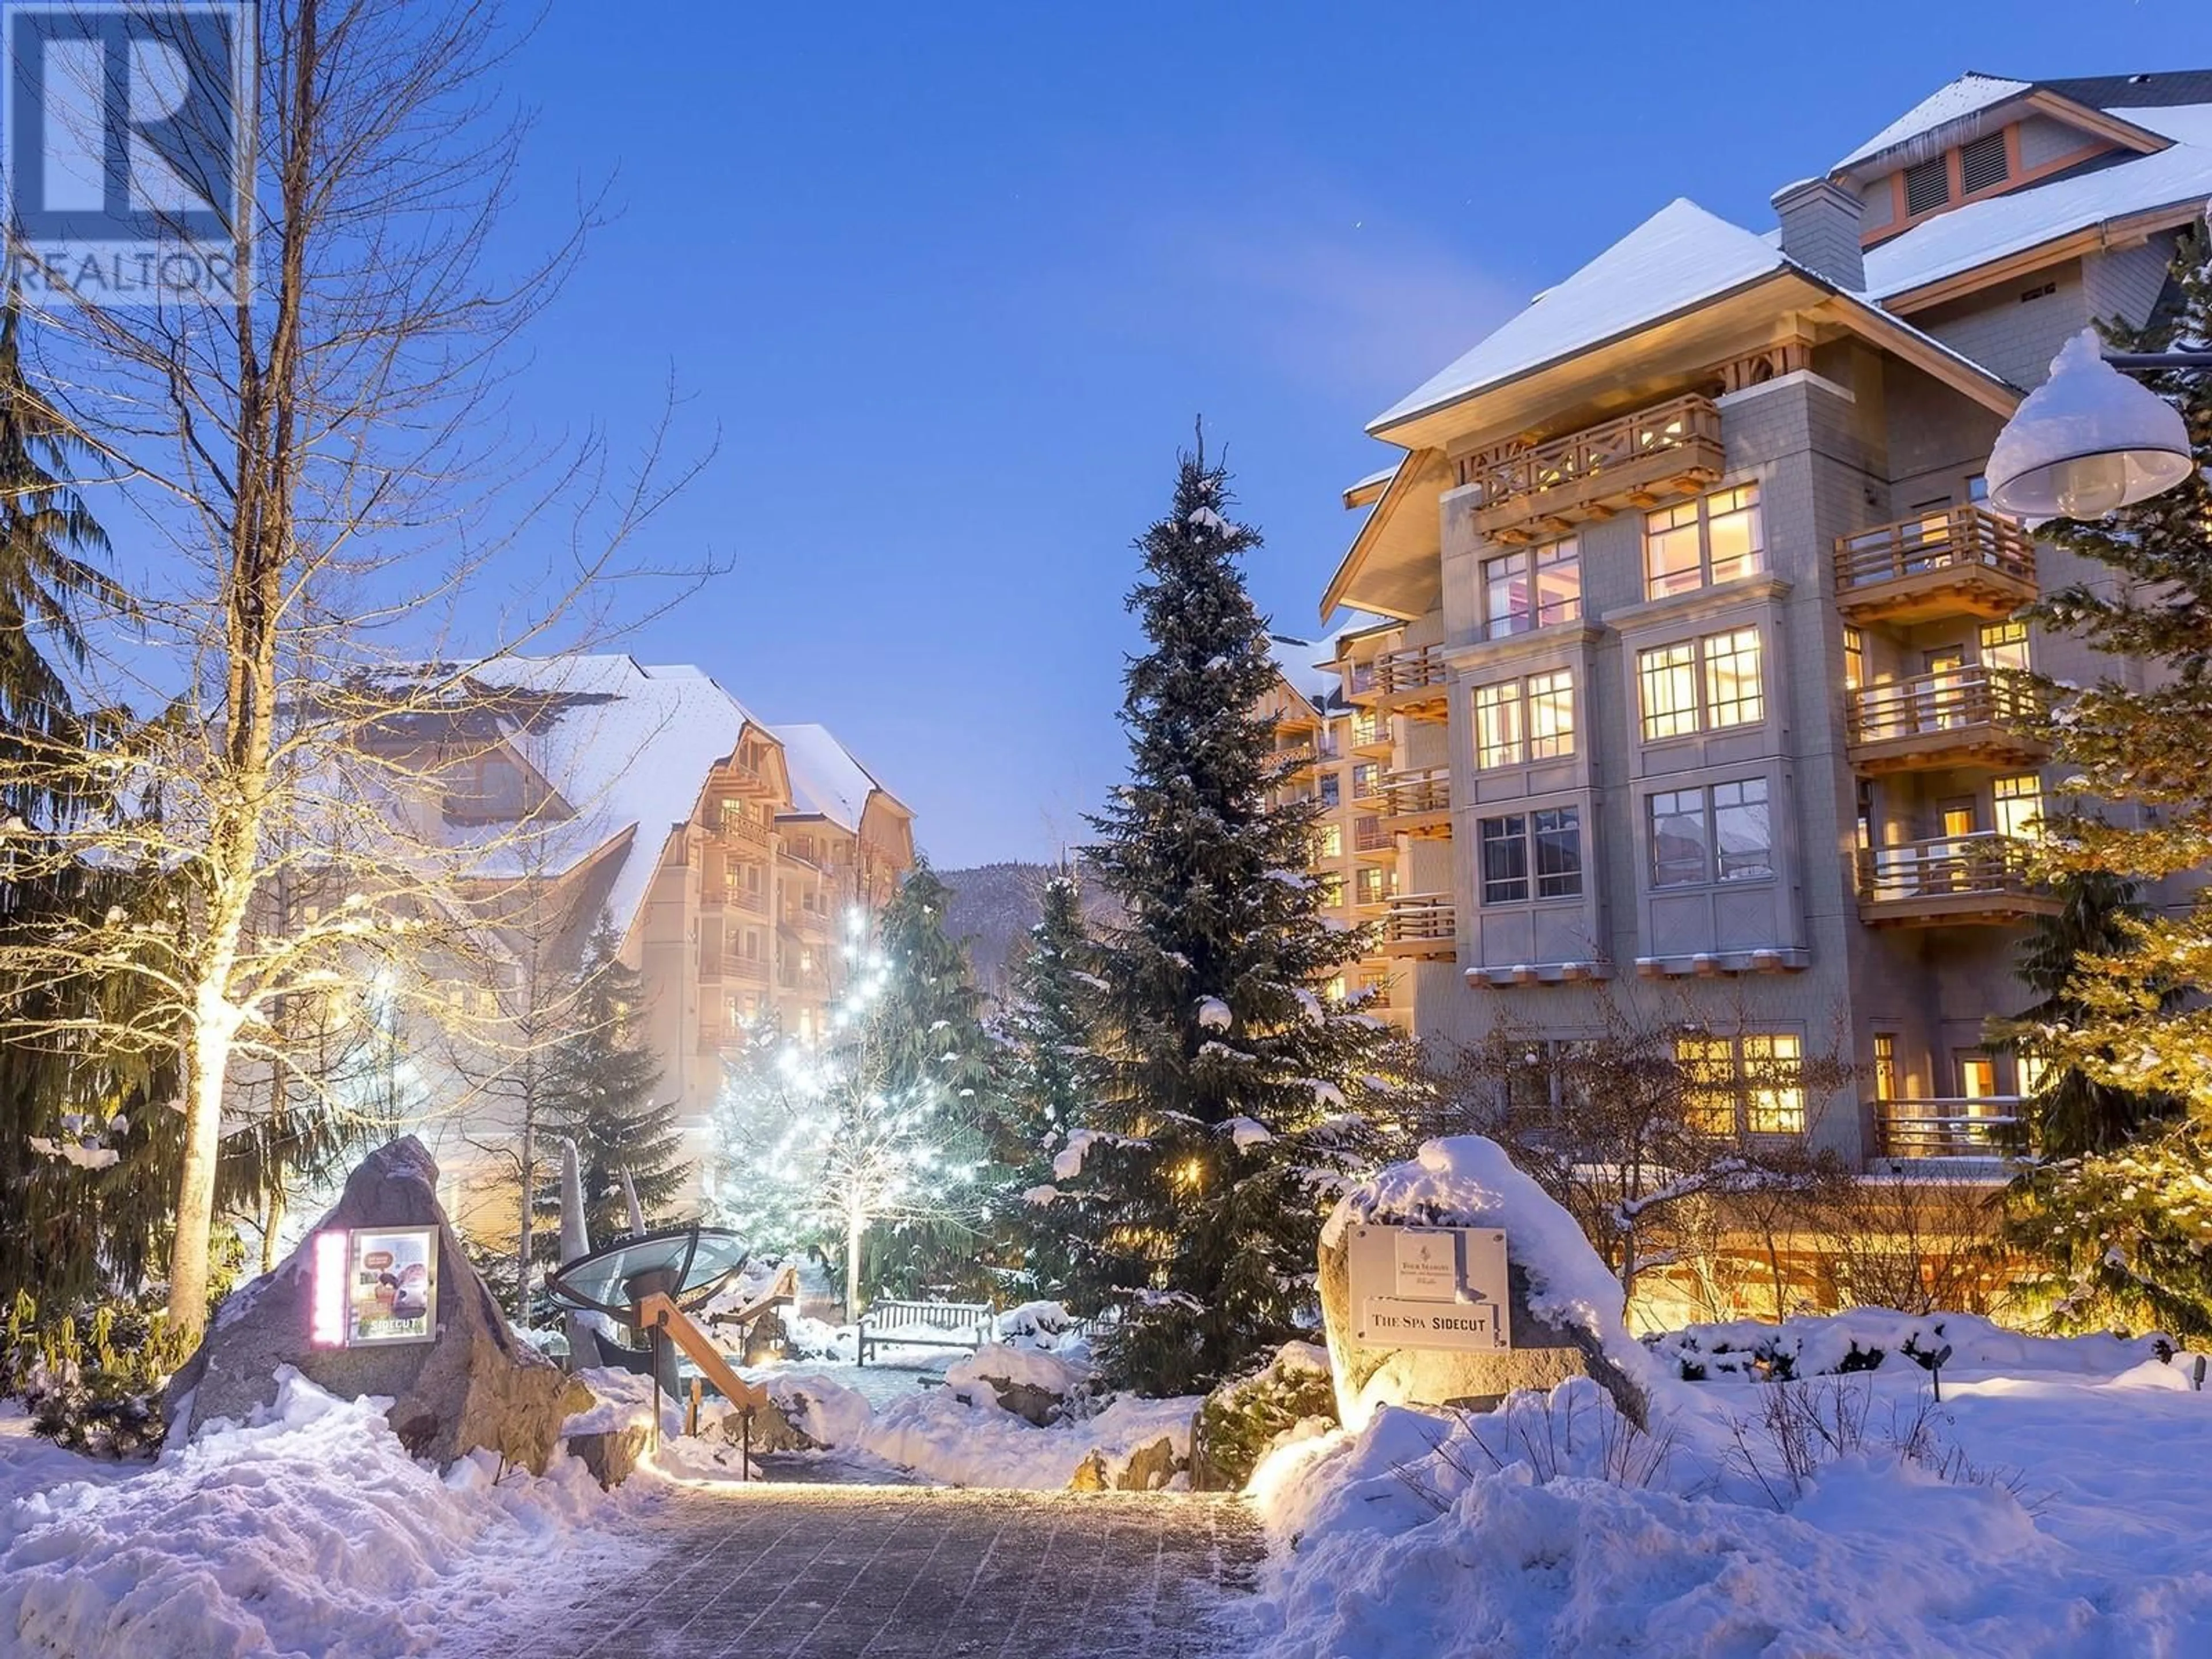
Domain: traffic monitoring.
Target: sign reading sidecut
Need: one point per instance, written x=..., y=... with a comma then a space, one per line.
x=375, y=1287
x=1430, y=1287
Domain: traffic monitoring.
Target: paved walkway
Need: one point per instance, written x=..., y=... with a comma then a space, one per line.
x=839, y=1572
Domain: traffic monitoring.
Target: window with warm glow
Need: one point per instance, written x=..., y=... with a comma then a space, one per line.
x=1551, y=699
x=1328, y=841
x=1774, y=1074
x=1693, y=685
x=1708, y=1068
x=1760, y=1074
x=2018, y=805
x=1733, y=692
x=1696, y=543
x=1371, y=885
x=1854, y=659
x=1668, y=677
x=2004, y=646
x=1498, y=725
x=1532, y=587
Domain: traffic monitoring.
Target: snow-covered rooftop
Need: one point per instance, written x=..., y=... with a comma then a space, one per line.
x=1680, y=256
x=2000, y=225
x=1299, y=662
x=826, y=781
x=1969, y=94
x=627, y=747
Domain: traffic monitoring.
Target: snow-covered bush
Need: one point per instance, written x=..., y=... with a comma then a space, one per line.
x=1867, y=1338
x=92, y=1378
x=1244, y=1419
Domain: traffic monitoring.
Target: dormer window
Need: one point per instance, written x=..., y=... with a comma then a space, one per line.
x=1927, y=186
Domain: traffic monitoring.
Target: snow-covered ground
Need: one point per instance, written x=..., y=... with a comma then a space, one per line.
x=2055, y=1503
x=310, y=1532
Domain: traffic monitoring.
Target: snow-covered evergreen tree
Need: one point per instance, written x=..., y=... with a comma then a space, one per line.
x=1049, y=1077
x=1233, y=1101
x=867, y=1147
x=601, y=1090
x=2119, y=1197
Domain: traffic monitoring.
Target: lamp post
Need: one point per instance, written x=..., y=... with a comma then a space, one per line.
x=2089, y=440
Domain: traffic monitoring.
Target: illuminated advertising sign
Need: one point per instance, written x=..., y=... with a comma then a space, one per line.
x=375, y=1287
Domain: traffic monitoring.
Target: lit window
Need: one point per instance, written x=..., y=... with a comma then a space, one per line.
x=1774, y=1076
x=1550, y=840
x=1551, y=715
x=2018, y=806
x=1762, y=1072
x=1732, y=696
x=2004, y=646
x=1693, y=545
x=1532, y=587
x=1328, y=841
x=1885, y=1066
x=1371, y=885
x=1671, y=684
x=1669, y=674
x=1366, y=781
x=1332, y=888
x=1854, y=659
x=1504, y=855
x=1498, y=725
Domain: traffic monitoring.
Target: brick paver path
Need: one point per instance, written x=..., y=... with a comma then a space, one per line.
x=839, y=1572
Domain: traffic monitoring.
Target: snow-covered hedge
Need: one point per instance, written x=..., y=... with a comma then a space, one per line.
x=1864, y=1339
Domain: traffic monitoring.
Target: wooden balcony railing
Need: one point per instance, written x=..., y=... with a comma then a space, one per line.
x=1419, y=803
x=1940, y=702
x=1666, y=449
x=1982, y=877
x=1981, y=1127
x=1371, y=731
x=1368, y=835
x=1420, y=924
x=1963, y=558
x=1408, y=683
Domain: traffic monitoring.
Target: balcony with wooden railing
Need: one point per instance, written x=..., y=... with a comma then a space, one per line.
x=1524, y=492
x=1370, y=733
x=1970, y=716
x=1983, y=877
x=1412, y=682
x=1421, y=924
x=1982, y=1128
x=1418, y=803
x=1371, y=839
x=1965, y=561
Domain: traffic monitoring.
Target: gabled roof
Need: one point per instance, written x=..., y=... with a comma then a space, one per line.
x=826, y=781
x=2175, y=180
x=1968, y=96
x=1680, y=257
x=629, y=748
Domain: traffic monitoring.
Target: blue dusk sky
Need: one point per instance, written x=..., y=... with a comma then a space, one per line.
x=953, y=281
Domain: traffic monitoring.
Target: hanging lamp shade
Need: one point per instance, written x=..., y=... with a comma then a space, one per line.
x=2088, y=441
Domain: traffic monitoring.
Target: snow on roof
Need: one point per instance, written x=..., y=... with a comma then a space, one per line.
x=826, y=781
x=1969, y=94
x=1299, y=662
x=1380, y=476
x=1678, y=257
x=627, y=747
x=1997, y=226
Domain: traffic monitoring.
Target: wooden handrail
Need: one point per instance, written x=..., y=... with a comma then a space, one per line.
x=1410, y=670
x=1983, y=861
x=1943, y=700
x=1507, y=472
x=1965, y=535
x=1407, y=793
x=656, y=1312
x=1416, y=916
x=1965, y=1126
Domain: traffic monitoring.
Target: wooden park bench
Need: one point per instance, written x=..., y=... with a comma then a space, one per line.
x=890, y=1324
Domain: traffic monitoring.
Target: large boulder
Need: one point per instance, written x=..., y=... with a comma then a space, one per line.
x=476, y=1385
x=1563, y=1305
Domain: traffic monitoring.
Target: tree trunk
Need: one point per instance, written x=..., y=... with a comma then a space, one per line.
x=522, y=1246
x=855, y=1225
x=272, y=1222
x=208, y=1061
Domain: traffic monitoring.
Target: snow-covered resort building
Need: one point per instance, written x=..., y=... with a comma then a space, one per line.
x=723, y=853
x=1696, y=688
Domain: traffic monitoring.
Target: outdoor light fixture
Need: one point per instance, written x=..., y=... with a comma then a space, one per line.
x=2089, y=440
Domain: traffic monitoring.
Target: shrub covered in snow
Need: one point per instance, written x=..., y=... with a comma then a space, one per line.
x=1244, y=1419
x=1863, y=1339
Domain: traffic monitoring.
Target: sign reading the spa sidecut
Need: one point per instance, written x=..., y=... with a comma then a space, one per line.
x=1430, y=1287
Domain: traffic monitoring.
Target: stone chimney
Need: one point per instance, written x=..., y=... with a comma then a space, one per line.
x=1820, y=230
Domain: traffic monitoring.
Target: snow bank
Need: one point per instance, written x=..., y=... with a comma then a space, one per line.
x=311, y=1531
x=2050, y=1517
x=1865, y=1338
x=1032, y=1366
x=945, y=1439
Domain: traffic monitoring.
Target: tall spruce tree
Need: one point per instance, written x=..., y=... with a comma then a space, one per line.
x=600, y=1092
x=1048, y=1080
x=2120, y=1199
x=1233, y=1101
